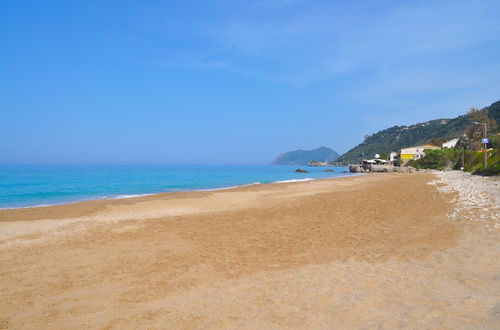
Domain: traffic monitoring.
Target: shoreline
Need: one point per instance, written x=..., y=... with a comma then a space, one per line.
x=139, y=195
x=94, y=210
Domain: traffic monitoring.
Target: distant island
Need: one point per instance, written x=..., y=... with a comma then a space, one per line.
x=303, y=157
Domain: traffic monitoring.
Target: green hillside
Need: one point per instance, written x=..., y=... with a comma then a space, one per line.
x=433, y=132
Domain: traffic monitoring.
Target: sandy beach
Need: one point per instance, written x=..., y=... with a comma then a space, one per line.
x=379, y=250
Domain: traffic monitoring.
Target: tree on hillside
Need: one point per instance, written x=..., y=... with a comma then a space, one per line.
x=434, y=132
x=437, y=141
x=473, y=131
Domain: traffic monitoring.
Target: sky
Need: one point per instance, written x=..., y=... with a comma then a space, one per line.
x=233, y=82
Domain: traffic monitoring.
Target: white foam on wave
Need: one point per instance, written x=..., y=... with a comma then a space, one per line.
x=127, y=196
x=295, y=180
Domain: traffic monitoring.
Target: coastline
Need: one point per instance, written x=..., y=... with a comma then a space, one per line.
x=139, y=195
x=135, y=194
x=90, y=209
x=361, y=251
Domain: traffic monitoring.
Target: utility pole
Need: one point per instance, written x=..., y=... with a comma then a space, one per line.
x=485, y=142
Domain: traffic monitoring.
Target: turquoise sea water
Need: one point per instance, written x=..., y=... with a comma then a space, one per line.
x=30, y=185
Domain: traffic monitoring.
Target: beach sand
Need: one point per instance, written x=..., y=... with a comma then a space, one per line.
x=357, y=252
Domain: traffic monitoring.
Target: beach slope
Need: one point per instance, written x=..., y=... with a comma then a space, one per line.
x=363, y=251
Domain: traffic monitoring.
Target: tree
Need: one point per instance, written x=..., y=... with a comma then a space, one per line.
x=474, y=132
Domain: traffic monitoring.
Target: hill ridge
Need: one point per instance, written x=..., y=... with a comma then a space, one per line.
x=433, y=131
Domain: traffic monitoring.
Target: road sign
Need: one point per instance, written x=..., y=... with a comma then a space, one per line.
x=485, y=141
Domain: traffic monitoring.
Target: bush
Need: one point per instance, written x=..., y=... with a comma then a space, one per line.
x=440, y=159
x=493, y=163
x=494, y=142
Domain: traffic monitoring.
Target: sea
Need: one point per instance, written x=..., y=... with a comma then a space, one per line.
x=44, y=185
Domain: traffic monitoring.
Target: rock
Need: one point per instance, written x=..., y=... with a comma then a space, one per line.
x=380, y=168
x=300, y=171
x=402, y=169
x=356, y=169
x=328, y=171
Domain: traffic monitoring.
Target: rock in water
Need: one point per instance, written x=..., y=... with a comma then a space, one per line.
x=300, y=171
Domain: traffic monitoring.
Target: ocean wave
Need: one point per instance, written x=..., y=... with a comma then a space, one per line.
x=127, y=196
x=294, y=180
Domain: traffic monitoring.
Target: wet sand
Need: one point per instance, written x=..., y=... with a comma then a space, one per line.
x=358, y=252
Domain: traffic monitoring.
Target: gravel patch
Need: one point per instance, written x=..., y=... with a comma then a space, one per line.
x=475, y=198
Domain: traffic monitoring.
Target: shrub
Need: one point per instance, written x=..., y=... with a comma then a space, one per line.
x=439, y=159
x=493, y=164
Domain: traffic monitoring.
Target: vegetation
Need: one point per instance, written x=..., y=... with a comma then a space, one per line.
x=474, y=163
x=431, y=132
x=438, y=159
x=454, y=158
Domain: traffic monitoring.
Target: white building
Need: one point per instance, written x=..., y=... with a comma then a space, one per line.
x=450, y=144
x=416, y=152
x=393, y=156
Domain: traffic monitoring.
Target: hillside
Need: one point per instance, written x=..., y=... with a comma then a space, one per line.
x=434, y=131
x=301, y=157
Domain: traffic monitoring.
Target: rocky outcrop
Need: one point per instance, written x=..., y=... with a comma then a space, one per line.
x=406, y=169
x=318, y=164
x=356, y=169
x=379, y=169
x=300, y=171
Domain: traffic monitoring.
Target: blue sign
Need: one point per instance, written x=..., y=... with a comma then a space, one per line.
x=485, y=141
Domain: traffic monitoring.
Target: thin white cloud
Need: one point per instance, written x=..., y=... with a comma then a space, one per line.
x=323, y=39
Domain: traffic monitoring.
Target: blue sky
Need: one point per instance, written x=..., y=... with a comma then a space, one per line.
x=233, y=82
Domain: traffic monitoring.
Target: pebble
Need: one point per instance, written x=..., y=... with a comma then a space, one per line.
x=478, y=198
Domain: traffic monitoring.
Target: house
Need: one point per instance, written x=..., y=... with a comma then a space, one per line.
x=416, y=152
x=393, y=158
x=450, y=144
